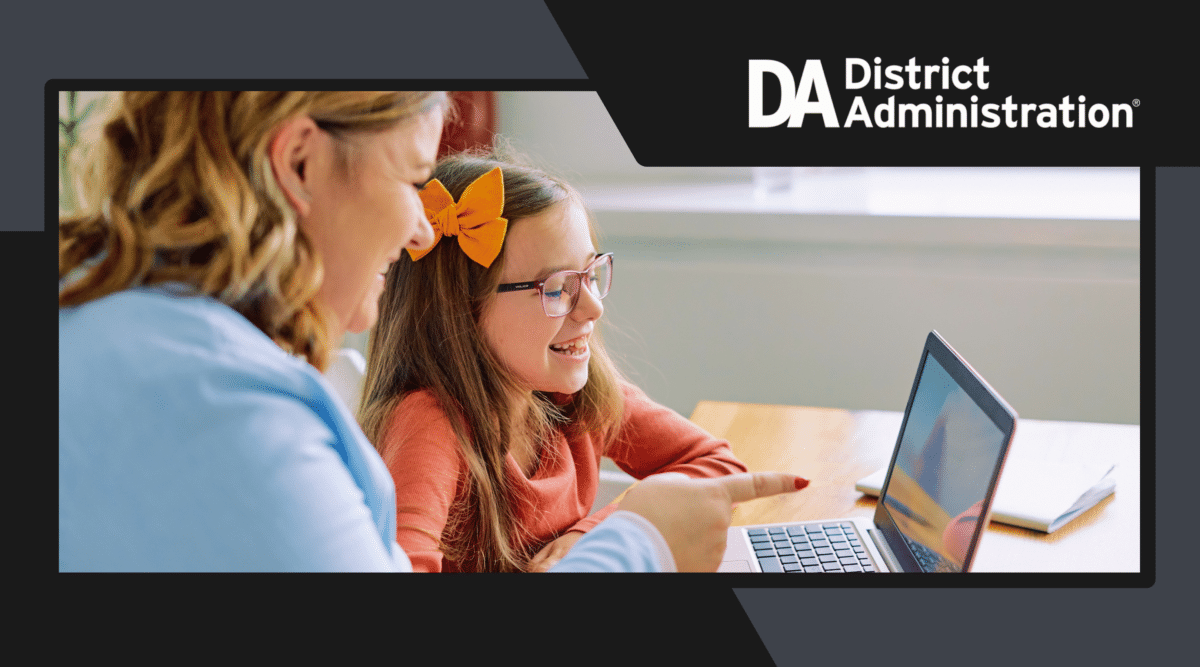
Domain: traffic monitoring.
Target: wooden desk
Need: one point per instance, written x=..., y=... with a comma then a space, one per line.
x=835, y=448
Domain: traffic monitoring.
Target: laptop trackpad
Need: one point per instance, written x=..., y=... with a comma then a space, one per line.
x=734, y=566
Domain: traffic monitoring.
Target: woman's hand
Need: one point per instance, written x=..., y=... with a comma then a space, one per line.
x=554, y=551
x=693, y=515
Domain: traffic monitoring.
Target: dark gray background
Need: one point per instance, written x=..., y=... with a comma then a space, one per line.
x=353, y=39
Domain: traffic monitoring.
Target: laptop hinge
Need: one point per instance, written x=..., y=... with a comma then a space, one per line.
x=884, y=551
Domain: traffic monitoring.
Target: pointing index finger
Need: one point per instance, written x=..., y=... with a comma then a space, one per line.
x=750, y=485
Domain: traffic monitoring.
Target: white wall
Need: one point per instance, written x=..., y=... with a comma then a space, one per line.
x=842, y=325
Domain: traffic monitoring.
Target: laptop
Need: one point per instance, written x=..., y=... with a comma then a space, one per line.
x=936, y=499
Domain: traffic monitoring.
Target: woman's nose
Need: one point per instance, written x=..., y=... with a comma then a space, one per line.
x=423, y=235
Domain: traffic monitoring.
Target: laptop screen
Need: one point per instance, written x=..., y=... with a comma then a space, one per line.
x=948, y=454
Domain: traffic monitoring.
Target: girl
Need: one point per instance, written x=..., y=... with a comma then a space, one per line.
x=488, y=392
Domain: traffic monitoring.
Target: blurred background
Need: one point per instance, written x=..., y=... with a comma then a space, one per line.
x=817, y=286
x=813, y=286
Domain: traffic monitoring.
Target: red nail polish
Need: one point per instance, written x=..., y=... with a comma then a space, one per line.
x=801, y=483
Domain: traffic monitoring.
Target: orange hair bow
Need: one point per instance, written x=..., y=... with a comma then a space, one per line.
x=474, y=219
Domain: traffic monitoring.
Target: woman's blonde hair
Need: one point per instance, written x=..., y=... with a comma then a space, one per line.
x=181, y=188
x=429, y=337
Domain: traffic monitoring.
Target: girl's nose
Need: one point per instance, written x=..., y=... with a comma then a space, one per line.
x=589, y=306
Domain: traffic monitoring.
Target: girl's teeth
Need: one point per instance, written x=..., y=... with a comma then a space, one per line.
x=571, y=347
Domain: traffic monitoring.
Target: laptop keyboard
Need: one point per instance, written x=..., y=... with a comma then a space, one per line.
x=828, y=547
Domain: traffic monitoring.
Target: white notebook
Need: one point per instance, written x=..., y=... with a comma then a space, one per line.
x=1036, y=493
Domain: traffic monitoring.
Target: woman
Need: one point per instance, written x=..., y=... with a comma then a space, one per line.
x=235, y=237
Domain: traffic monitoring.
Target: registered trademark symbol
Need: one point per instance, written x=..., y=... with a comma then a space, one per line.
x=1137, y=103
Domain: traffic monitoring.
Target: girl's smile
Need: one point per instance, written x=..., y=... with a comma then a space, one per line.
x=575, y=349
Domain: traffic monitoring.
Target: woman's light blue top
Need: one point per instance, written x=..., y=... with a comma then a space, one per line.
x=189, y=441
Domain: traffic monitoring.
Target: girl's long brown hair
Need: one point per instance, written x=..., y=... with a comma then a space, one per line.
x=428, y=337
x=181, y=189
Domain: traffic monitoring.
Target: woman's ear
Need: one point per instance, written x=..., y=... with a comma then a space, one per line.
x=290, y=151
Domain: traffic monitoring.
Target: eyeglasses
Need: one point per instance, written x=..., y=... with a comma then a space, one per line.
x=560, y=292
